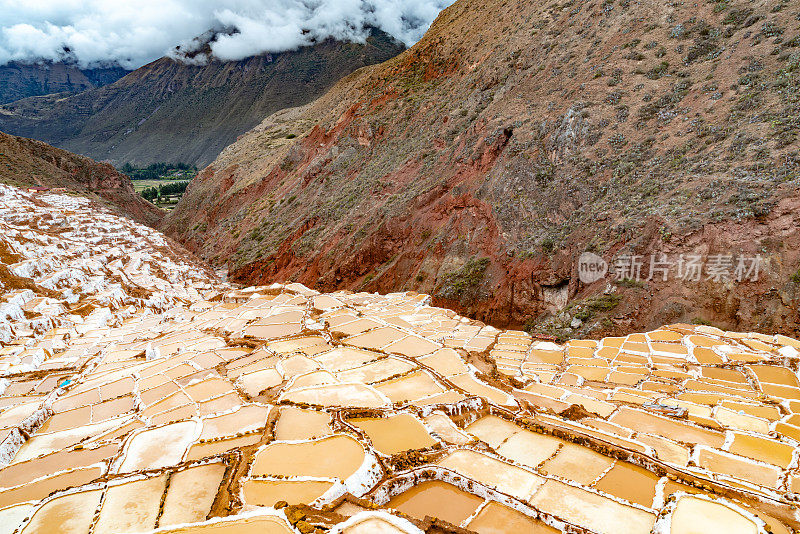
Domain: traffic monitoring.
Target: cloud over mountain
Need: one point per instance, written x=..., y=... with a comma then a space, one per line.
x=133, y=33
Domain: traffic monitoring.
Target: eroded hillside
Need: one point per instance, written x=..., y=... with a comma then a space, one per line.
x=138, y=392
x=29, y=163
x=479, y=164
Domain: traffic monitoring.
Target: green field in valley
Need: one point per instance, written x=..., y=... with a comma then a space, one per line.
x=141, y=185
x=162, y=184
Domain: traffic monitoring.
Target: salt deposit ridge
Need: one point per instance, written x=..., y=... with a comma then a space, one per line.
x=139, y=393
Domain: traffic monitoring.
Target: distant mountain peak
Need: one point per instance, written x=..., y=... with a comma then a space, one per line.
x=189, y=109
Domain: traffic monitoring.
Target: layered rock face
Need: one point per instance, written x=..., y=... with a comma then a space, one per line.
x=514, y=136
x=140, y=392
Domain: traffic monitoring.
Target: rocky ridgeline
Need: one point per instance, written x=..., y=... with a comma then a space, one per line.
x=139, y=393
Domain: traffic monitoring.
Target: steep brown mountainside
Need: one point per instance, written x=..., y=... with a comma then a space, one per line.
x=26, y=162
x=21, y=80
x=478, y=165
x=170, y=111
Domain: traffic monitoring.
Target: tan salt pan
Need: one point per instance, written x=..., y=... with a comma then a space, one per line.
x=448, y=397
x=245, y=419
x=118, y=432
x=665, y=449
x=785, y=392
x=250, y=525
x=629, y=482
x=410, y=387
x=67, y=420
x=413, y=346
x=665, y=427
x=775, y=375
x=273, y=331
x=191, y=494
x=436, y=499
x=380, y=370
x=296, y=424
x=355, y=395
x=730, y=418
x=46, y=443
x=316, y=378
x=494, y=518
x=377, y=525
x=220, y=404
x=158, y=447
x=446, y=429
x=395, y=434
x=377, y=338
x=494, y=473
x=337, y=456
x=269, y=492
x=475, y=387
x=577, y=463
x=208, y=388
x=343, y=358
x=297, y=365
x=699, y=516
x=23, y=472
x=738, y=467
x=212, y=448
x=112, y=408
x=529, y=448
x=492, y=430
x=40, y=489
x=592, y=511
x=766, y=450
x=131, y=507
x=70, y=514
x=255, y=383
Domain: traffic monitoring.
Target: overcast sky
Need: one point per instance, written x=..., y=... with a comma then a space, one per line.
x=135, y=32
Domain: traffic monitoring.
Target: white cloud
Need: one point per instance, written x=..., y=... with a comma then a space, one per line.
x=138, y=31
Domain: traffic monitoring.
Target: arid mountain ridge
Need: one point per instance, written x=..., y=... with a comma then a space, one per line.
x=173, y=111
x=20, y=80
x=480, y=163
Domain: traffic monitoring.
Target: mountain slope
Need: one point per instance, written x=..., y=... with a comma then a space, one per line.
x=20, y=80
x=26, y=162
x=170, y=111
x=479, y=164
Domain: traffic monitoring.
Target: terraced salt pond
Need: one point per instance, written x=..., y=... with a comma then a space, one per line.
x=436, y=499
x=395, y=434
x=337, y=456
x=495, y=518
x=180, y=404
x=270, y=492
